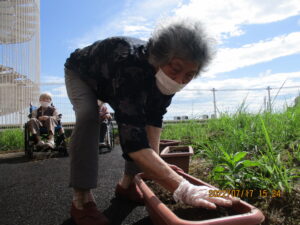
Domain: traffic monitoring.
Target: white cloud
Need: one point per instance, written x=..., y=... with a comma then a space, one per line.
x=151, y=9
x=60, y=91
x=265, y=73
x=133, y=30
x=274, y=80
x=201, y=101
x=137, y=19
x=55, y=85
x=49, y=79
x=129, y=28
x=224, y=18
x=229, y=59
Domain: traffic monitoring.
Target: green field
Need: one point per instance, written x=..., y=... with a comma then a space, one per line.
x=11, y=139
x=259, y=152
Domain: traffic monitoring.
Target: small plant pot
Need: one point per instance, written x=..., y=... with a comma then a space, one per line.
x=164, y=143
x=178, y=155
x=160, y=214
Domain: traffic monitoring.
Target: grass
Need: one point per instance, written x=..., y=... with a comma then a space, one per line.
x=246, y=148
x=249, y=151
x=11, y=139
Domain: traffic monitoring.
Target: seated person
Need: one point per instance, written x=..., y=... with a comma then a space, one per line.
x=104, y=118
x=44, y=116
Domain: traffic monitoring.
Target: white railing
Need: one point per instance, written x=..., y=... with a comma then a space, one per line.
x=19, y=58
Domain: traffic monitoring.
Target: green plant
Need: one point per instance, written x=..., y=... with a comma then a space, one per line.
x=270, y=140
x=231, y=171
x=275, y=173
x=11, y=139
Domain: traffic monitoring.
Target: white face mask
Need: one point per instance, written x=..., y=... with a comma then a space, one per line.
x=45, y=104
x=166, y=85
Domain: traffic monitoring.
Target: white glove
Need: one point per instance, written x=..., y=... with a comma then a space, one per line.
x=198, y=196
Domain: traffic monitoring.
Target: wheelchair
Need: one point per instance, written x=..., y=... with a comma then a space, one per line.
x=109, y=138
x=59, y=138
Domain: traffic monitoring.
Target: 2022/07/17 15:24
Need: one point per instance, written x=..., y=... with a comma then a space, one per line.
x=245, y=193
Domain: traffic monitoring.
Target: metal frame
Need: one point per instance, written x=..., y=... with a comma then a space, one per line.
x=109, y=138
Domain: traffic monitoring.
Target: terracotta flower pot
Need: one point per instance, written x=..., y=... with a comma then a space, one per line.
x=164, y=143
x=178, y=155
x=160, y=214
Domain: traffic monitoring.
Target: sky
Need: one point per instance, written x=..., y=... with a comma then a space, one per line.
x=257, y=45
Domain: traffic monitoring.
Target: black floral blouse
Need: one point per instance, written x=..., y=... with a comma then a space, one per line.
x=126, y=81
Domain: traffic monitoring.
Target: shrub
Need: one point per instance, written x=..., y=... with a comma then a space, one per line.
x=11, y=139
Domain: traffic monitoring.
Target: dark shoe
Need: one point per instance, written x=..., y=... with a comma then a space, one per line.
x=132, y=193
x=89, y=215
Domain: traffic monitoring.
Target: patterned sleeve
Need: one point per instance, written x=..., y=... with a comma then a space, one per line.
x=156, y=107
x=130, y=117
x=132, y=138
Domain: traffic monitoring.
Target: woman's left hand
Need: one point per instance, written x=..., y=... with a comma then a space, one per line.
x=199, y=196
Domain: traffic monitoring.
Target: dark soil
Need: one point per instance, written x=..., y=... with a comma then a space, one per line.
x=11, y=151
x=284, y=210
x=187, y=212
x=179, y=150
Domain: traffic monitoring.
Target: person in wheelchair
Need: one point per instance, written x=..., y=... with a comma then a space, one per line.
x=104, y=119
x=46, y=116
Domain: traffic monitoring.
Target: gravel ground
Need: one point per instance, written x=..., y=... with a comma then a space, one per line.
x=36, y=192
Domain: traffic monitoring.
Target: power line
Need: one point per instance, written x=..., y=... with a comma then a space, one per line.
x=242, y=89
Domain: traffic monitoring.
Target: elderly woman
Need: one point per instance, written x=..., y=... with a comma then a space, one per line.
x=104, y=118
x=44, y=116
x=138, y=80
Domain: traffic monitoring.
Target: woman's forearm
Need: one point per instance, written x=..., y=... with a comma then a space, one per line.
x=153, y=134
x=156, y=169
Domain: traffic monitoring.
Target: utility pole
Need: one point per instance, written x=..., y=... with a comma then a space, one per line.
x=215, y=103
x=193, y=109
x=269, y=99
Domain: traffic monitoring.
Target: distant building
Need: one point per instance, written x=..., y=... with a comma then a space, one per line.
x=205, y=117
x=177, y=118
x=184, y=117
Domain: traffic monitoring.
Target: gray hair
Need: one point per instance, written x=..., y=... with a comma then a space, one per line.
x=183, y=39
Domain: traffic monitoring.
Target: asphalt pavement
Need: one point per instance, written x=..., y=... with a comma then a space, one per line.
x=36, y=192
